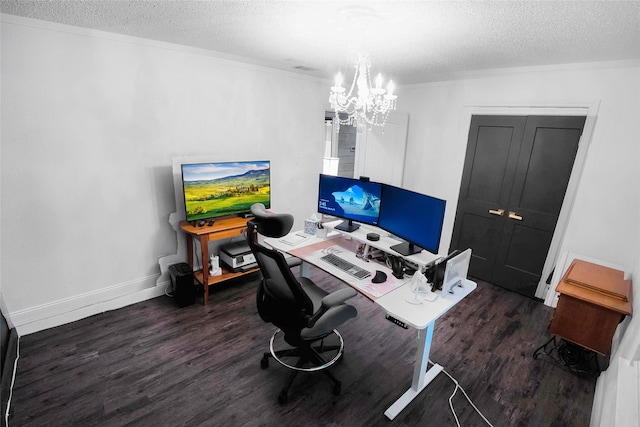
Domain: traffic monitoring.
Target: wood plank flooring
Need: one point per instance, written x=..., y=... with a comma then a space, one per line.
x=155, y=364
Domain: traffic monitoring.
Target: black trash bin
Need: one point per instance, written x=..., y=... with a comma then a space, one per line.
x=182, y=284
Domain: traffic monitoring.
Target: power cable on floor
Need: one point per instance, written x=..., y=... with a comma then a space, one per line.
x=465, y=395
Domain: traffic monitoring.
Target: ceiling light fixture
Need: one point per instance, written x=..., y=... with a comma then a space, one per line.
x=370, y=106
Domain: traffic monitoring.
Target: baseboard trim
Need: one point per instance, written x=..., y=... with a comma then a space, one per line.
x=78, y=307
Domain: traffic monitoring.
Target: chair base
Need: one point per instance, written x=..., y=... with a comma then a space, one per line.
x=301, y=352
x=311, y=354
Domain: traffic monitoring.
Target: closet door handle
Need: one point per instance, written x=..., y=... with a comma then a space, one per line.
x=513, y=215
x=498, y=212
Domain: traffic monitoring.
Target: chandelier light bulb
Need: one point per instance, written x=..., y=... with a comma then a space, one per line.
x=379, y=81
x=390, y=88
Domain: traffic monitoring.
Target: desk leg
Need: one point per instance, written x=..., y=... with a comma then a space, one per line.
x=421, y=377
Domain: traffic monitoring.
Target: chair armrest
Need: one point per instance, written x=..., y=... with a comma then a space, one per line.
x=334, y=299
x=338, y=297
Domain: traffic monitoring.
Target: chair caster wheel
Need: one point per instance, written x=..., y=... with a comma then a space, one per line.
x=264, y=362
x=337, y=389
x=283, y=397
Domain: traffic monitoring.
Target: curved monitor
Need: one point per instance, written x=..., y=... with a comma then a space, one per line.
x=224, y=188
x=350, y=199
x=414, y=217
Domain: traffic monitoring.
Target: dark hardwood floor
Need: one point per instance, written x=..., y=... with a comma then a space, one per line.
x=154, y=363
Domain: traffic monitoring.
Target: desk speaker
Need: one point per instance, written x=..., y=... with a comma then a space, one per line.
x=182, y=284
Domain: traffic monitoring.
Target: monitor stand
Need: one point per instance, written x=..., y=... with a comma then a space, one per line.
x=406, y=248
x=349, y=226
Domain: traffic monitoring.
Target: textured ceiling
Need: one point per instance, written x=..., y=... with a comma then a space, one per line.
x=412, y=41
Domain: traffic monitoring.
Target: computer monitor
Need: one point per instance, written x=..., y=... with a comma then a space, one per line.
x=414, y=217
x=350, y=199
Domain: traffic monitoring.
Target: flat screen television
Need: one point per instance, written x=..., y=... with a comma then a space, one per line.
x=350, y=199
x=218, y=189
x=414, y=217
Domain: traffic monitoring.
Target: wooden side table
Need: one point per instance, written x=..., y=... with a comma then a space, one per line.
x=223, y=228
x=593, y=300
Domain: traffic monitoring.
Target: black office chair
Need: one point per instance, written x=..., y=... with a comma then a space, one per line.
x=306, y=314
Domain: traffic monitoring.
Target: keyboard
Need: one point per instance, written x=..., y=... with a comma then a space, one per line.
x=346, y=266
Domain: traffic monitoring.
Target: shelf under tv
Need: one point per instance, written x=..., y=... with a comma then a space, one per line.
x=226, y=275
x=222, y=228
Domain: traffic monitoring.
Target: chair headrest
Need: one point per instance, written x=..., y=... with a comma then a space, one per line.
x=271, y=224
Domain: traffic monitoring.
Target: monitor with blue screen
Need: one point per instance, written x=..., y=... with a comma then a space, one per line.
x=414, y=217
x=350, y=199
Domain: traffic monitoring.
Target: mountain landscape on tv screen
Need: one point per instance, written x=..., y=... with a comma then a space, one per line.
x=227, y=195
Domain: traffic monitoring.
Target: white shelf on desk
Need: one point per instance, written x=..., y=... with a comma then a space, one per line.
x=384, y=244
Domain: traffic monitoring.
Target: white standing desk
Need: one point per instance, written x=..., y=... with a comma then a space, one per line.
x=393, y=302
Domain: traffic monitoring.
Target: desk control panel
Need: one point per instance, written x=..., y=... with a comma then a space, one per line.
x=396, y=321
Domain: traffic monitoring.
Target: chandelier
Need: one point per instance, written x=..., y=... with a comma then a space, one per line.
x=370, y=106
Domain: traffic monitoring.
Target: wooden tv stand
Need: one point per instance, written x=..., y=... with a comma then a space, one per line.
x=222, y=228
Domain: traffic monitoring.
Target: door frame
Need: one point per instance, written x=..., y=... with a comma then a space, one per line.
x=399, y=118
x=587, y=108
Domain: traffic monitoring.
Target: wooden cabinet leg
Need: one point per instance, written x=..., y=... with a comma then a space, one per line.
x=190, y=251
x=204, y=249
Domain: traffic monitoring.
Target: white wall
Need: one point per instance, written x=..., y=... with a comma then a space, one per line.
x=613, y=404
x=90, y=124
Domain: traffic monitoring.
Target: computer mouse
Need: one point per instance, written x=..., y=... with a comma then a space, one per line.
x=380, y=277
